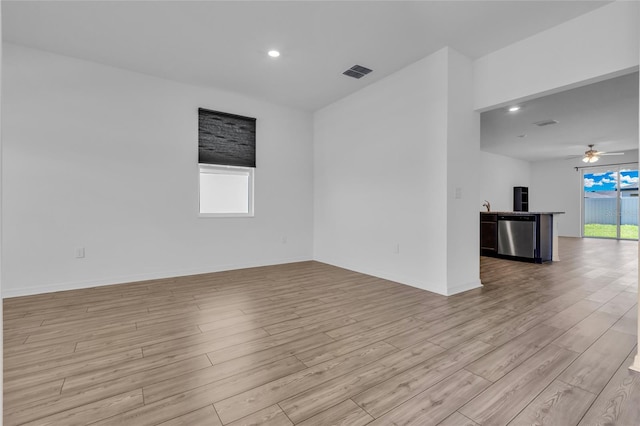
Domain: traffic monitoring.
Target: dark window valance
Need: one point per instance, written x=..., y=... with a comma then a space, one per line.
x=226, y=139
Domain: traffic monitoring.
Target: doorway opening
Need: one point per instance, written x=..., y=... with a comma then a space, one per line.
x=610, y=202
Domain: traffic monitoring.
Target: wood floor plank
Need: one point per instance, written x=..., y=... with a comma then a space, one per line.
x=205, y=416
x=87, y=408
x=256, y=376
x=572, y=315
x=496, y=364
x=383, y=397
x=270, y=416
x=324, y=326
x=32, y=356
x=566, y=300
x=18, y=395
x=340, y=347
x=401, y=304
x=290, y=343
x=457, y=419
x=620, y=304
x=430, y=329
x=159, y=412
x=292, y=324
x=136, y=380
x=347, y=413
x=595, y=367
x=137, y=338
x=604, y=294
x=582, y=335
x=169, y=408
x=436, y=403
x=200, y=317
x=628, y=323
x=503, y=400
x=137, y=369
x=201, y=347
x=76, y=335
x=247, y=330
x=364, y=325
x=618, y=404
x=500, y=334
x=95, y=411
x=135, y=311
x=263, y=396
x=558, y=404
x=466, y=331
x=321, y=397
x=257, y=320
x=60, y=368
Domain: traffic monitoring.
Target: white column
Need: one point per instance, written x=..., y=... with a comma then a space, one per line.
x=555, y=250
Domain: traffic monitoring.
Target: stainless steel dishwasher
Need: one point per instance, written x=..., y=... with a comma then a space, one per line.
x=517, y=235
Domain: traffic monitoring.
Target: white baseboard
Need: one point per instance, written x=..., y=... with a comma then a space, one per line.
x=464, y=287
x=410, y=281
x=636, y=363
x=76, y=285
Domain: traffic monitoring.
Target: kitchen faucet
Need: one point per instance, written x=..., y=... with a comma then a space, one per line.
x=487, y=205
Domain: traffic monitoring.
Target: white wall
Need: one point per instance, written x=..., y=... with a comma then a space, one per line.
x=498, y=176
x=106, y=159
x=463, y=168
x=380, y=177
x=557, y=186
x=388, y=162
x=588, y=48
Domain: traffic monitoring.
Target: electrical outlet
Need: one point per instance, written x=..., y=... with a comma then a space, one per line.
x=79, y=252
x=283, y=240
x=458, y=193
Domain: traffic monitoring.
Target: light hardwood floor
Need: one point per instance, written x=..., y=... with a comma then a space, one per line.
x=311, y=344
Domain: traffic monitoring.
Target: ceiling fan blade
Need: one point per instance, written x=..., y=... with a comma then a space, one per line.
x=571, y=157
x=610, y=153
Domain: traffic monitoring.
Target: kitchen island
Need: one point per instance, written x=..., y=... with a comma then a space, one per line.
x=523, y=236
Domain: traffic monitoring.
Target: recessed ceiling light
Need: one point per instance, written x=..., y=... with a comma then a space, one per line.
x=514, y=108
x=274, y=53
x=524, y=135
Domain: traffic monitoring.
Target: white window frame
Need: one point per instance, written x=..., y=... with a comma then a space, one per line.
x=228, y=170
x=604, y=168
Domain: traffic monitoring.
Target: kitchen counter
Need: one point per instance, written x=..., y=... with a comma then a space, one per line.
x=523, y=213
x=523, y=236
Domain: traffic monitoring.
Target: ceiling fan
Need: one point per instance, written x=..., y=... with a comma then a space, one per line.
x=591, y=155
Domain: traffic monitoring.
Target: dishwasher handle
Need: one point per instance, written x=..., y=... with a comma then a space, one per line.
x=518, y=218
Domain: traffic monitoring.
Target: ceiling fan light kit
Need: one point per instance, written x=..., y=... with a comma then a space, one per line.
x=591, y=155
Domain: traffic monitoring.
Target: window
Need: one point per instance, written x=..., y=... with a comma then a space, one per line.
x=227, y=160
x=610, y=202
x=226, y=191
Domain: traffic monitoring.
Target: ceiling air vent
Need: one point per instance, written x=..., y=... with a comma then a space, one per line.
x=357, y=71
x=545, y=123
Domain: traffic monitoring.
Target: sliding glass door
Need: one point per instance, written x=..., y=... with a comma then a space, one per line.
x=610, y=202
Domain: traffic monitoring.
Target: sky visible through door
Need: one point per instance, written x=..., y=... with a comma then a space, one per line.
x=610, y=207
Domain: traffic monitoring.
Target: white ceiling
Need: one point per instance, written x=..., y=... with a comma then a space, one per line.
x=224, y=44
x=604, y=114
